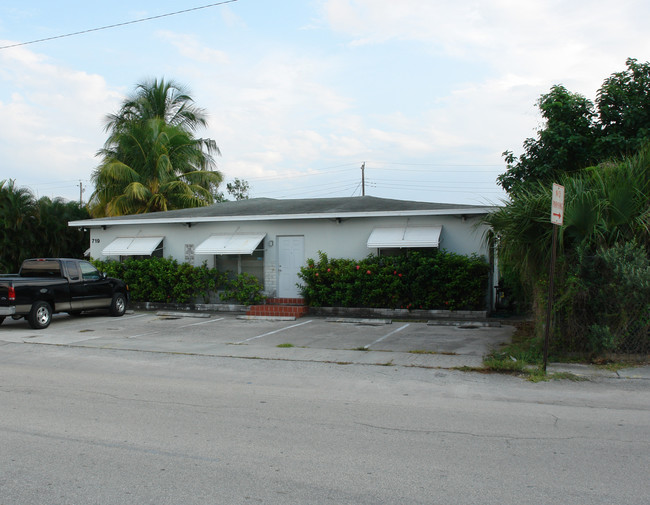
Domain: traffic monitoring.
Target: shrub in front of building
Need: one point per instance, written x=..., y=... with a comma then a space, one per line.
x=437, y=280
x=164, y=280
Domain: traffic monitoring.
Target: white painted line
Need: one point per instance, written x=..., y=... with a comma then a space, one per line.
x=387, y=335
x=134, y=316
x=272, y=332
x=143, y=334
x=203, y=322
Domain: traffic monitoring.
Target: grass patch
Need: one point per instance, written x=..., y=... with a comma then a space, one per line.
x=615, y=366
x=524, y=353
x=285, y=345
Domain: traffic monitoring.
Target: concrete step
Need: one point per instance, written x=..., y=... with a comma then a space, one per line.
x=284, y=301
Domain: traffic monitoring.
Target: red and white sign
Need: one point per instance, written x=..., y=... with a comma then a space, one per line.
x=557, y=205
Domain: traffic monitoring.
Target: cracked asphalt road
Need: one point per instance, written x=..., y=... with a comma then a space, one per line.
x=82, y=424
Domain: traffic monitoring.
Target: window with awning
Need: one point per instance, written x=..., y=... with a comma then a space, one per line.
x=405, y=237
x=133, y=246
x=237, y=243
x=236, y=253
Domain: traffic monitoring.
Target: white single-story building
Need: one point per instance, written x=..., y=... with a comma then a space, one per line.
x=272, y=239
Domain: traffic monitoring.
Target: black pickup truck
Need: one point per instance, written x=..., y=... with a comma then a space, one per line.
x=48, y=285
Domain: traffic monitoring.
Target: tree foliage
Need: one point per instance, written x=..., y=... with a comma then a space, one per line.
x=152, y=160
x=578, y=133
x=606, y=208
x=37, y=228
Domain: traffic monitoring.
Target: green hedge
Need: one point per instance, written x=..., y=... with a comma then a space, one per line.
x=164, y=280
x=436, y=280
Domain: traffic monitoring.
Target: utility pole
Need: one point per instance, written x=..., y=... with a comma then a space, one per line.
x=81, y=190
x=363, y=179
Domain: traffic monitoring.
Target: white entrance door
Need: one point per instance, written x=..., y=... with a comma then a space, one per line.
x=291, y=256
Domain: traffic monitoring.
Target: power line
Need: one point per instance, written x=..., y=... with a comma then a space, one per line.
x=438, y=164
x=119, y=24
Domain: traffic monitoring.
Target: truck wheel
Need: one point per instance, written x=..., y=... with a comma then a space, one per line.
x=2, y=318
x=40, y=316
x=118, y=305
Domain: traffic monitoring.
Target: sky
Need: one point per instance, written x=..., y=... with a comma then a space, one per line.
x=300, y=94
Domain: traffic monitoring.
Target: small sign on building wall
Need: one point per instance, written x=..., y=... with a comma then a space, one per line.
x=189, y=253
x=557, y=205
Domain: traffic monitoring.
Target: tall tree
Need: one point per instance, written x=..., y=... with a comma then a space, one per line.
x=564, y=144
x=577, y=134
x=623, y=103
x=19, y=216
x=152, y=160
x=37, y=228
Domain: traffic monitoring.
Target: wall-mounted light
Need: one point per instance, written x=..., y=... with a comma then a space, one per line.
x=270, y=243
x=189, y=225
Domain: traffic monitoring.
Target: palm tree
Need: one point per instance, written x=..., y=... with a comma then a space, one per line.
x=162, y=99
x=152, y=160
x=606, y=208
x=56, y=238
x=19, y=216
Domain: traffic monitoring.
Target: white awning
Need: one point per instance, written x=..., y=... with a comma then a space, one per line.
x=406, y=236
x=132, y=246
x=238, y=243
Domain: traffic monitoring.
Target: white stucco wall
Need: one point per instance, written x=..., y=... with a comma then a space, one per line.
x=344, y=239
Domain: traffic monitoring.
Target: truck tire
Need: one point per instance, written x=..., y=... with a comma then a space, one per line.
x=40, y=316
x=118, y=305
x=2, y=318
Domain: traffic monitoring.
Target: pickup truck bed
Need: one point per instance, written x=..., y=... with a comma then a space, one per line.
x=48, y=285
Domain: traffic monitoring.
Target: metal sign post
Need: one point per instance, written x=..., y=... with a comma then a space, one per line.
x=557, y=219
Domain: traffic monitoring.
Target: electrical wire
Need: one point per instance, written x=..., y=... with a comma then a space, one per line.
x=118, y=24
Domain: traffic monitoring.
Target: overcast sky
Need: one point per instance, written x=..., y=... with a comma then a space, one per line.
x=300, y=93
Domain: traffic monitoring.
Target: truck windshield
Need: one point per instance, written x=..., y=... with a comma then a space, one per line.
x=41, y=268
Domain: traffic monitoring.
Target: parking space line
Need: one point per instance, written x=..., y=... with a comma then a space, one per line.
x=203, y=322
x=387, y=335
x=143, y=334
x=272, y=332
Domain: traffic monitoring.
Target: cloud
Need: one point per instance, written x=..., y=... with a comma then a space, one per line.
x=190, y=47
x=49, y=118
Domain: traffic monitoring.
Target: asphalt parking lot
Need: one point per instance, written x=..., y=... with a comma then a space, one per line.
x=365, y=341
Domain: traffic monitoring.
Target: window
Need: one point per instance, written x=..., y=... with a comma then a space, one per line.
x=73, y=270
x=252, y=264
x=88, y=271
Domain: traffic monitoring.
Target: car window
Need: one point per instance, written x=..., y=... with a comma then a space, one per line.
x=73, y=270
x=88, y=271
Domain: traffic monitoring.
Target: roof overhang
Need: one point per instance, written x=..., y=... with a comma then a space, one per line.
x=237, y=243
x=405, y=237
x=99, y=222
x=132, y=246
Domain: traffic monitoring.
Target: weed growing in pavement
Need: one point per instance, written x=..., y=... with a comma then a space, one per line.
x=287, y=344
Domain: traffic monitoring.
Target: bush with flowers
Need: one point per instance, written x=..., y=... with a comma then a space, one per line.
x=418, y=280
